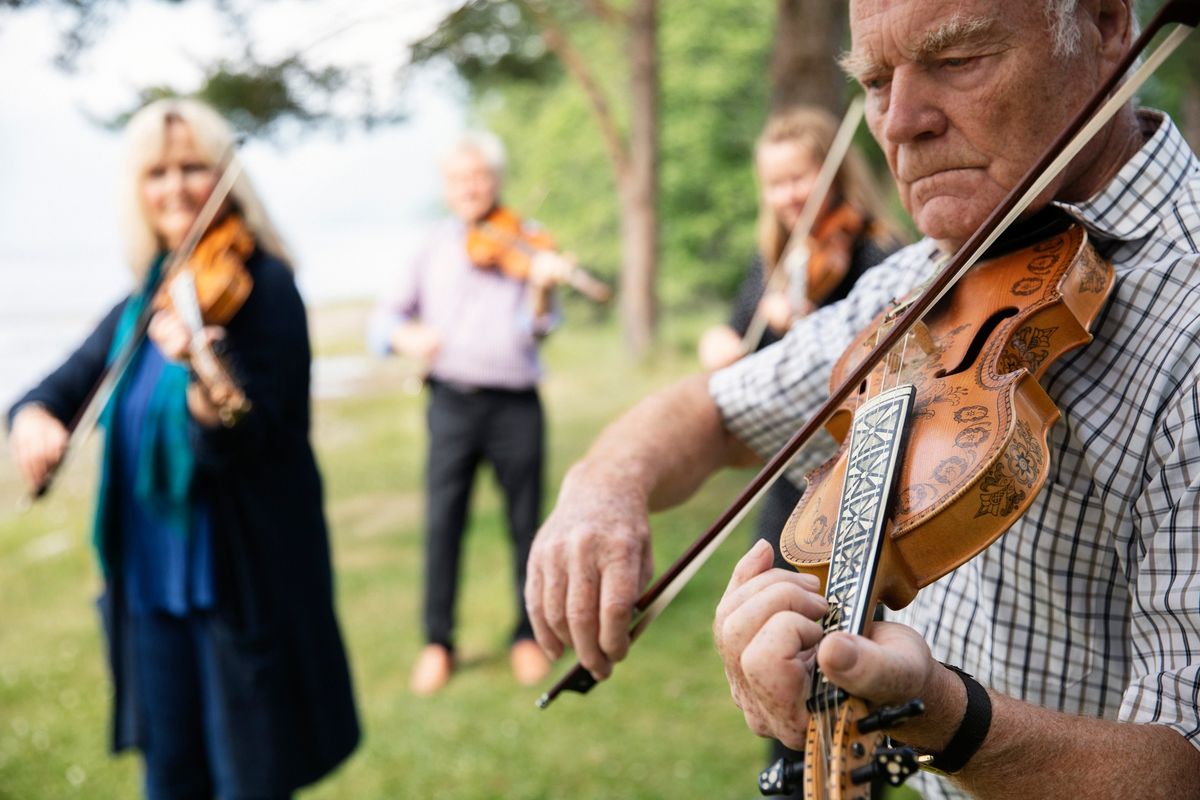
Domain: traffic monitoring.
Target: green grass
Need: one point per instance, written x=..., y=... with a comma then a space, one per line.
x=662, y=728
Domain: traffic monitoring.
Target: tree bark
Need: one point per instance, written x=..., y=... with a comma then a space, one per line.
x=1190, y=123
x=638, y=186
x=634, y=158
x=809, y=35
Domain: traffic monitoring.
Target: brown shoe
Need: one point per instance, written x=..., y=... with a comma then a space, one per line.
x=432, y=670
x=529, y=663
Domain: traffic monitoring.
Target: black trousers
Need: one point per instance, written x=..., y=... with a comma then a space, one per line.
x=776, y=508
x=466, y=427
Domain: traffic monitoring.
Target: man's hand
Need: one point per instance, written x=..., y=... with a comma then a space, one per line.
x=592, y=557
x=548, y=269
x=589, y=562
x=768, y=631
x=416, y=340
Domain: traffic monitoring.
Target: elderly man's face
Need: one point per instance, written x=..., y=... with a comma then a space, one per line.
x=963, y=96
x=470, y=184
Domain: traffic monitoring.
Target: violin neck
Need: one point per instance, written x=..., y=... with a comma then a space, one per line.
x=876, y=447
x=222, y=389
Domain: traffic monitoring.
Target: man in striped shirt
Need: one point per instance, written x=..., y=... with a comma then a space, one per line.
x=1083, y=620
x=475, y=334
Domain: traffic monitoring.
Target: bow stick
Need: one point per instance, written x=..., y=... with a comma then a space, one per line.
x=102, y=392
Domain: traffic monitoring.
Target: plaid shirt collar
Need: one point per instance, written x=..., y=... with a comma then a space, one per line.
x=1134, y=203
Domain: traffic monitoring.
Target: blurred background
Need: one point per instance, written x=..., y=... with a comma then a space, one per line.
x=630, y=126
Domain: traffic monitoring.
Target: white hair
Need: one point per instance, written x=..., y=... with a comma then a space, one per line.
x=145, y=138
x=1064, y=26
x=485, y=144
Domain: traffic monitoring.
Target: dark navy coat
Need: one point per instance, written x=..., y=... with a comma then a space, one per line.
x=282, y=674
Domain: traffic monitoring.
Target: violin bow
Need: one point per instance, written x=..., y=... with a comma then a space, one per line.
x=793, y=262
x=1185, y=15
x=85, y=421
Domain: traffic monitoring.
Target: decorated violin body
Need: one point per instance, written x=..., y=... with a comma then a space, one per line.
x=976, y=454
x=831, y=250
x=944, y=447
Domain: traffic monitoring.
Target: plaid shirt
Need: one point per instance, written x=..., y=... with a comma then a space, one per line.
x=1090, y=603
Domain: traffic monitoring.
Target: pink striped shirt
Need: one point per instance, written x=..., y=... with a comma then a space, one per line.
x=488, y=336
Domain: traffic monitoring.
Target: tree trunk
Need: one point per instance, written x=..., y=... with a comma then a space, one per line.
x=638, y=185
x=809, y=35
x=1190, y=123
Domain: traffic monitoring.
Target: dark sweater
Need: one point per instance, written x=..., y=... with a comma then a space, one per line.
x=281, y=668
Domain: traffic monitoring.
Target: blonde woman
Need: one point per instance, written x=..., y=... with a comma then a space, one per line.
x=228, y=666
x=852, y=231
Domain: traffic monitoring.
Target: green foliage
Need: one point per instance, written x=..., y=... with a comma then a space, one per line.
x=1174, y=87
x=489, y=42
x=558, y=170
x=257, y=98
x=713, y=93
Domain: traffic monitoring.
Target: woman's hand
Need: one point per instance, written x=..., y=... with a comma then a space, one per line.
x=173, y=337
x=719, y=347
x=38, y=441
x=778, y=311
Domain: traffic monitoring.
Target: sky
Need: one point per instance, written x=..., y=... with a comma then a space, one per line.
x=351, y=208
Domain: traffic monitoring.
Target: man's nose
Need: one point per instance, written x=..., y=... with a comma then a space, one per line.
x=914, y=109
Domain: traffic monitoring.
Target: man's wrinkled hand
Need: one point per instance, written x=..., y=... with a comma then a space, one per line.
x=589, y=563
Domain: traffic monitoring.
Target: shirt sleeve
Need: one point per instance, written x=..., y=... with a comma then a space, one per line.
x=544, y=324
x=765, y=397
x=66, y=390
x=401, y=304
x=1164, y=559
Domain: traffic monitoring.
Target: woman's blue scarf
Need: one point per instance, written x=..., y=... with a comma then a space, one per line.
x=164, y=461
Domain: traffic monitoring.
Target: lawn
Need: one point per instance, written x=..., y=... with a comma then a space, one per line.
x=663, y=727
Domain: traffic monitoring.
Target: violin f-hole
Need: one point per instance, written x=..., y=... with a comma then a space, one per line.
x=982, y=334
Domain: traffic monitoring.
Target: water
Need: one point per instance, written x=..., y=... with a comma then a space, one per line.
x=50, y=302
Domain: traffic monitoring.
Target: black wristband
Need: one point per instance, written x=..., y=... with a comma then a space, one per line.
x=973, y=729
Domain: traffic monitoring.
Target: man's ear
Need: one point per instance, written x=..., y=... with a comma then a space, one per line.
x=1114, y=21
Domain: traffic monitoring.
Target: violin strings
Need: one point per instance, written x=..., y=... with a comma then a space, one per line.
x=883, y=365
x=903, y=355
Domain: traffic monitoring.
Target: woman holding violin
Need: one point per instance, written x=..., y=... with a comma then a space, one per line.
x=1060, y=659
x=852, y=232
x=227, y=662
x=471, y=310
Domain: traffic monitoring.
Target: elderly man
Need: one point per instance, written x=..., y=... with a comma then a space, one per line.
x=475, y=333
x=1083, y=620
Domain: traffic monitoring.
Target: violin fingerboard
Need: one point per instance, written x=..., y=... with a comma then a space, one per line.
x=876, y=445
